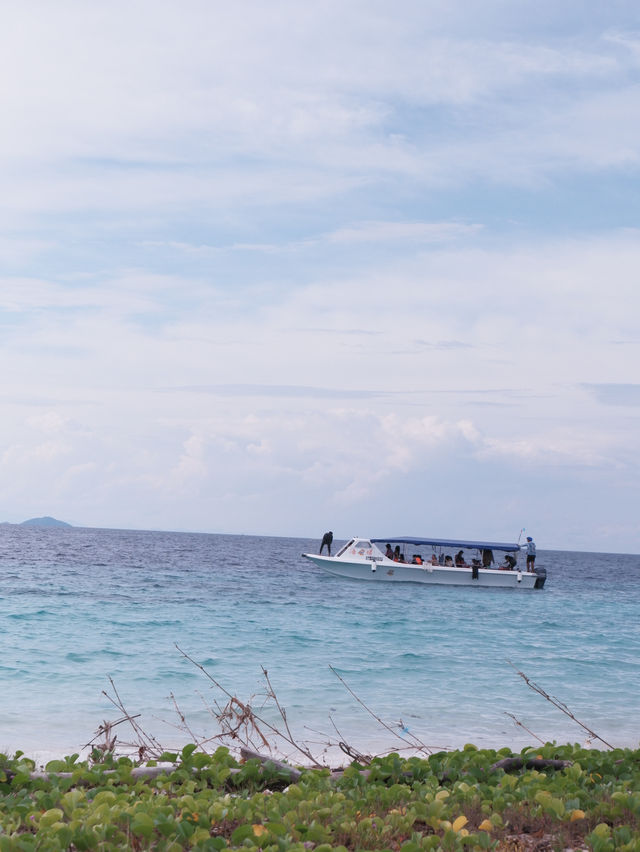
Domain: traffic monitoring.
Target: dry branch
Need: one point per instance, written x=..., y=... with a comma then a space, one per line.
x=560, y=705
x=414, y=743
x=245, y=729
x=247, y=721
x=524, y=727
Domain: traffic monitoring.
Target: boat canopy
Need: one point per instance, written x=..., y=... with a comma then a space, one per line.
x=450, y=542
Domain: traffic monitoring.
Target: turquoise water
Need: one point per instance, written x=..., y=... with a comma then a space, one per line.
x=79, y=606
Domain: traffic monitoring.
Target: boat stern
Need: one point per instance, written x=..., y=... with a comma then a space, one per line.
x=541, y=577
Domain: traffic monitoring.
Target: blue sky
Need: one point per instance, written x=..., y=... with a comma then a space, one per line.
x=279, y=268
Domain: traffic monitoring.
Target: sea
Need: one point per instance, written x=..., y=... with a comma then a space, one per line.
x=167, y=628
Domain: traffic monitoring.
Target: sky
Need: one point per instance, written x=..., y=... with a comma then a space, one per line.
x=278, y=268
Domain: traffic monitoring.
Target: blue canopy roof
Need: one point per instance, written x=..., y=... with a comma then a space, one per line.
x=450, y=542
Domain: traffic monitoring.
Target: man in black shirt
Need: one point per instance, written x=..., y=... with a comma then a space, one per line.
x=327, y=538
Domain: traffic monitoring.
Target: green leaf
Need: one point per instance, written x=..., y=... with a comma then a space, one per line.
x=242, y=833
x=187, y=751
x=71, y=800
x=64, y=835
x=142, y=825
x=51, y=816
x=56, y=766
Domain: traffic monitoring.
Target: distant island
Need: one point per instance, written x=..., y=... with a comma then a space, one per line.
x=44, y=522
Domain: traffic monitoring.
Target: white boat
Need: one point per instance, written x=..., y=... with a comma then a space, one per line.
x=431, y=560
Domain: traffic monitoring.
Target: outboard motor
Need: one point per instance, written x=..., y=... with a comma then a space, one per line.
x=541, y=576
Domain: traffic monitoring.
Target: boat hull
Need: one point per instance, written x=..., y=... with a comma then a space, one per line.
x=386, y=571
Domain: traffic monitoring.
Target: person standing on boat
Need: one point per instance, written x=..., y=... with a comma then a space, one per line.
x=531, y=554
x=327, y=540
x=487, y=558
x=388, y=552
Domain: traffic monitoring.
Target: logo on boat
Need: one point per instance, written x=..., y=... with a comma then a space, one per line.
x=390, y=571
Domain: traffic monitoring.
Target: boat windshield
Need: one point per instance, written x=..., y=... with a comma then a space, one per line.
x=345, y=548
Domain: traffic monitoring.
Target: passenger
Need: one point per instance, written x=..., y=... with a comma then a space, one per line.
x=476, y=563
x=434, y=560
x=487, y=558
x=402, y=559
x=441, y=559
x=388, y=552
x=448, y=560
x=460, y=563
x=327, y=539
x=509, y=563
x=396, y=554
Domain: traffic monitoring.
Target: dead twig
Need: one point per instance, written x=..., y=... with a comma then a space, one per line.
x=184, y=726
x=354, y=754
x=524, y=727
x=146, y=745
x=414, y=743
x=239, y=719
x=350, y=751
x=560, y=705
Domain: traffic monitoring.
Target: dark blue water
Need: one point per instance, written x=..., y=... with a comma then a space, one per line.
x=80, y=606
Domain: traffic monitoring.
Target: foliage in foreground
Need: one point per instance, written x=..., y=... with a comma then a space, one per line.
x=452, y=800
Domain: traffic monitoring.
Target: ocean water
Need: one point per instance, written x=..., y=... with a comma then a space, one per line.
x=79, y=607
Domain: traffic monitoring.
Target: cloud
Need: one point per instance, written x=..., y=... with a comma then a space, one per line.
x=280, y=391
x=615, y=394
x=428, y=233
x=49, y=422
x=420, y=232
x=115, y=112
x=263, y=262
x=556, y=449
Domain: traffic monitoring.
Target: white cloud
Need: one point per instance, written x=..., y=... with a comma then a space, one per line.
x=191, y=464
x=49, y=422
x=427, y=233
x=264, y=259
x=561, y=447
x=114, y=109
x=420, y=232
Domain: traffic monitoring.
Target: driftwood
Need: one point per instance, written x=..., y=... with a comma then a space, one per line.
x=249, y=754
x=138, y=773
x=294, y=773
x=148, y=773
x=511, y=763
